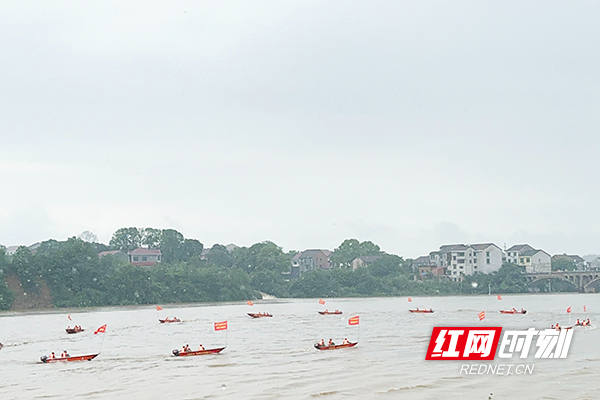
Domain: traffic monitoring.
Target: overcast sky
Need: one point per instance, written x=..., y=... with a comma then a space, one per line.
x=411, y=124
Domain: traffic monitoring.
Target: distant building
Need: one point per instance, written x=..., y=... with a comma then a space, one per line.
x=363, y=261
x=595, y=263
x=10, y=250
x=534, y=260
x=430, y=271
x=578, y=262
x=309, y=260
x=144, y=257
x=463, y=260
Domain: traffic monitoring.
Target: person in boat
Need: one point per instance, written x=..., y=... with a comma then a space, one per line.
x=321, y=343
x=345, y=341
x=514, y=309
x=326, y=310
x=201, y=348
x=337, y=311
x=330, y=342
x=522, y=310
x=187, y=348
x=64, y=354
x=578, y=323
x=430, y=309
x=52, y=356
x=182, y=349
x=588, y=321
x=557, y=327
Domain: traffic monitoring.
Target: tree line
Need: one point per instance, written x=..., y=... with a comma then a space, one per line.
x=77, y=277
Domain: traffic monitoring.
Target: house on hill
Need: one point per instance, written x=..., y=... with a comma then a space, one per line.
x=309, y=260
x=363, y=261
x=144, y=257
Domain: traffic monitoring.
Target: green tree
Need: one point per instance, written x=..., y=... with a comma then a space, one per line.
x=151, y=238
x=126, y=239
x=191, y=248
x=350, y=249
x=563, y=264
x=219, y=256
x=171, y=245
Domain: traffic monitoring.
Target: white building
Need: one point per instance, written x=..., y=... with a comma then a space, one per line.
x=464, y=260
x=534, y=260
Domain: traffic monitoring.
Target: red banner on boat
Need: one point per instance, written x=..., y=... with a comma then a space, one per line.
x=353, y=320
x=481, y=315
x=249, y=303
x=221, y=326
x=321, y=301
x=158, y=308
x=102, y=329
x=499, y=297
x=569, y=310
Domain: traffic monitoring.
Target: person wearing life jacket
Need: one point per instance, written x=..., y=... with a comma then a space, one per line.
x=183, y=350
x=588, y=321
x=331, y=342
x=51, y=356
x=321, y=343
x=345, y=341
x=201, y=348
x=64, y=354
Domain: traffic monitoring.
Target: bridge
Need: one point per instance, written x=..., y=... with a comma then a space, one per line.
x=584, y=281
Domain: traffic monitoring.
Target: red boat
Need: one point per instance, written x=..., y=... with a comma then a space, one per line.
x=513, y=311
x=89, y=357
x=422, y=310
x=162, y=321
x=259, y=315
x=178, y=353
x=335, y=346
x=74, y=330
x=336, y=312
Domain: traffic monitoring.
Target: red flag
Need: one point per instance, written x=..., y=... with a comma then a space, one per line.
x=353, y=320
x=584, y=309
x=481, y=315
x=158, y=308
x=409, y=299
x=249, y=303
x=68, y=316
x=321, y=301
x=499, y=297
x=102, y=329
x=221, y=326
x=569, y=309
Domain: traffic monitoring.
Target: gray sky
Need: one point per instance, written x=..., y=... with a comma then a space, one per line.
x=410, y=124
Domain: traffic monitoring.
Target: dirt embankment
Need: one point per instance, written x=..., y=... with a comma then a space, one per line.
x=28, y=300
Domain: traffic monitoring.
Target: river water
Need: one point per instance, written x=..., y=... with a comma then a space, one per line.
x=274, y=358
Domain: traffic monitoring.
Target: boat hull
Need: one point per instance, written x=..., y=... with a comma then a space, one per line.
x=88, y=357
x=71, y=330
x=164, y=321
x=178, y=353
x=422, y=311
x=256, y=315
x=329, y=312
x=335, y=347
x=513, y=312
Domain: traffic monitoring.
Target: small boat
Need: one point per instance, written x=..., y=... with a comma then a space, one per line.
x=259, y=315
x=163, y=321
x=74, y=330
x=335, y=346
x=178, y=353
x=336, y=312
x=422, y=310
x=89, y=357
x=513, y=311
